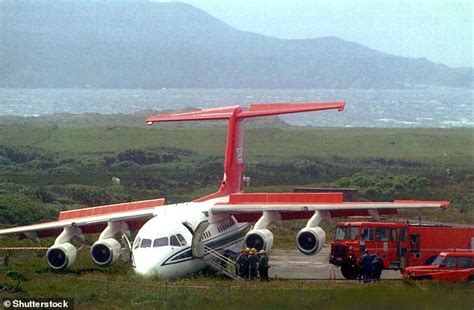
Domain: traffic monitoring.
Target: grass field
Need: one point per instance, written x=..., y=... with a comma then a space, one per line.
x=449, y=148
x=98, y=292
x=118, y=289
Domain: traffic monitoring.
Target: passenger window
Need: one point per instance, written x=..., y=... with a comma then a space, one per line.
x=160, y=242
x=181, y=239
x=146, y=243
x=381, y=234
x=465, y=262
x=174, y=241
x=450, y=262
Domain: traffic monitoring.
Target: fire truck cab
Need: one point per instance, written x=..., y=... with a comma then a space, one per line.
x=397, y=244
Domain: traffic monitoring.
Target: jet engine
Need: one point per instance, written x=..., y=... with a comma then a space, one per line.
x=310, y=240
x=105, y=252
x=61, y=256
x=260, y=239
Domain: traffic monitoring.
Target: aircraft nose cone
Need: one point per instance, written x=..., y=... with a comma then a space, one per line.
x=148, y=261
x=144, y=265
x=145, y=271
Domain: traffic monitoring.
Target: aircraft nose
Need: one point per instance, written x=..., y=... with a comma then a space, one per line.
x=144, y=264
x=147, y=262
x=145, y=271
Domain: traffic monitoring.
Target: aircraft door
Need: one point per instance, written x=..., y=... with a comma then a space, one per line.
x=197, y=247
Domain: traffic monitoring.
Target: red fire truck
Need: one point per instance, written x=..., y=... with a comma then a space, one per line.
x=398, y=244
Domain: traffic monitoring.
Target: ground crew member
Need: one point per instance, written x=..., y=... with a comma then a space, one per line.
x=240, y=261
x=376, y=267
x=255, y=252
x=253, y=263
x=366, y=266
x=245, y=272
x=263, y=266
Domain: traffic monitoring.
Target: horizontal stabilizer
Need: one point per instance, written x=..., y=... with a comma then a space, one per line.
x=200, y=115
x=254, y=110
x=267, y=109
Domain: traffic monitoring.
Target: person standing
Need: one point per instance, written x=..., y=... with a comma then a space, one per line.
x=240, y=261
x=253, y=263
x=376, y=267
x=366, y=266
x=263, y=266
x=245, y=273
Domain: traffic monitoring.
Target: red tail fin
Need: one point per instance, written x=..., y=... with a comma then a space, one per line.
x=234, y=153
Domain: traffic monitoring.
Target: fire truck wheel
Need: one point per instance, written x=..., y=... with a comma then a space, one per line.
x=350, y=272
x=471, y=278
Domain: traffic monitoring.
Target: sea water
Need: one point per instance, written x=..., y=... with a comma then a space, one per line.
x=421, y=107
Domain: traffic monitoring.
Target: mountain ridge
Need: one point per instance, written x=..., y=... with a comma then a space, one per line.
x=175, y=45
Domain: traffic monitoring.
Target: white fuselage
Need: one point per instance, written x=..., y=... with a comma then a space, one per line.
x=162, y=247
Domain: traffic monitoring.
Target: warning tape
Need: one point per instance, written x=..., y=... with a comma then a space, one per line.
x=26, y=248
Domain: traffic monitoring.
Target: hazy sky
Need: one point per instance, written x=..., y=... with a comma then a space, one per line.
x=439, y=30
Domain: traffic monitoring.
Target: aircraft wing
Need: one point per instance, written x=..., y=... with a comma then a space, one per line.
x=249, y=207
x=91, y=220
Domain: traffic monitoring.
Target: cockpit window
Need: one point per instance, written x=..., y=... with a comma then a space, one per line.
x=160, y=242
x=181, y=239
x=174, y=241
x=146, y=243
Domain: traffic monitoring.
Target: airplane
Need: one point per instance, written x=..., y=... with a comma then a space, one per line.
x=167, y=236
